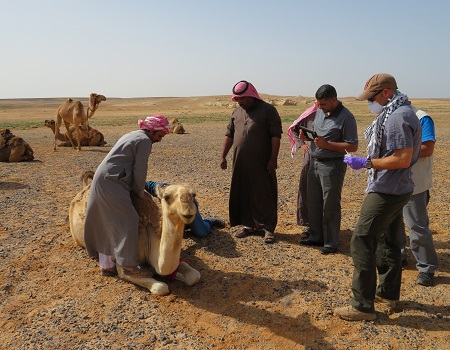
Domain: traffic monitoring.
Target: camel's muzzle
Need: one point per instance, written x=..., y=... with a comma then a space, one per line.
x=188, y=218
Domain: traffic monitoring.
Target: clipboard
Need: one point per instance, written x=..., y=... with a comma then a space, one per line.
x=310, y=134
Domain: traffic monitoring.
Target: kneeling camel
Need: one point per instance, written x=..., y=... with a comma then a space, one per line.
x=160, y=233
x=89, y=137
x=13, y=148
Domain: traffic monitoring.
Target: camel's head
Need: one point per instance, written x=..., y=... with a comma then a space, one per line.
x=49, y=123
x=95, y=99
x=178, y=203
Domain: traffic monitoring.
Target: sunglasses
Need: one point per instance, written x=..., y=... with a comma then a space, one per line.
x=373, y=96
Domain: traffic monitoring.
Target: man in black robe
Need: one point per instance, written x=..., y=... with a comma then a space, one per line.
x=255, y=132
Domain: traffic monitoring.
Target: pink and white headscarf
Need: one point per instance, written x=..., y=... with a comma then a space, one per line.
x=156, y=122
x=244, y=89
x=305, y=114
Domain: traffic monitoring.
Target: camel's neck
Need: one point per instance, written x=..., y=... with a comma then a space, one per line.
x=59, y=136
x=91, y=111
x=166, y=249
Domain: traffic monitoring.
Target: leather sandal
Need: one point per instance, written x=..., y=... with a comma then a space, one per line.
x=244, y=232
x=269, y=237
x=305, y=235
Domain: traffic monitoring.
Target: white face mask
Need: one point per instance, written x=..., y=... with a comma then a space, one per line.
x=375, y=107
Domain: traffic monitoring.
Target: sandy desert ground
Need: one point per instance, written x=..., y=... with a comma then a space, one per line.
x=251, y=295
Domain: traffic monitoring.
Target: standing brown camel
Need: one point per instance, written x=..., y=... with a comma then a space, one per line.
x=72, y=112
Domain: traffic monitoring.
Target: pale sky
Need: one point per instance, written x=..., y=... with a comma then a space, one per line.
x=138, y=48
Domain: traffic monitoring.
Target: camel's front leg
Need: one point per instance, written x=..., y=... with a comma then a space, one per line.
x=187, y=274
x=57, y=126
x=154, y=286
x=77, y=128
x=67, y=124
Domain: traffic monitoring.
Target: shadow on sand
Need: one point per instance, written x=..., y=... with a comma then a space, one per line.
x=12, y=186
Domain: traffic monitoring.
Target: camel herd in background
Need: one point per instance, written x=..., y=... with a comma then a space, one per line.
x=78, y=133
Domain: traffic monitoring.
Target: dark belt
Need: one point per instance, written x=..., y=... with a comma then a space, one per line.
x=328, y=159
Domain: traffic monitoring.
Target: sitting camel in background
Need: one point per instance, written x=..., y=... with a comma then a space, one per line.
x=176, y=127
x=160, y=232
x=13, y=148
x=91, y=137
x=72, y=112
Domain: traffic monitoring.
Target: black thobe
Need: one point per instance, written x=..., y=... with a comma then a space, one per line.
x=253, y=193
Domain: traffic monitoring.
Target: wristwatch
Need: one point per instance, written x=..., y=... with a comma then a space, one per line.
x=368, y=163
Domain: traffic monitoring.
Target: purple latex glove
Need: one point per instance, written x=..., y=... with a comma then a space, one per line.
x=355, y=162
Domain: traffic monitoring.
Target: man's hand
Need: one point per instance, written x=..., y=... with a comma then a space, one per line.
x=272, y=165
x=223, y=163
x=302, y=136
x=305, y=148
x=355, y=162
x=227, y=144
x=320, y=142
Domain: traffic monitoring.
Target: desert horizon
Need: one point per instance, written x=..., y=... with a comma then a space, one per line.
x=250, y=296
x=217, y=106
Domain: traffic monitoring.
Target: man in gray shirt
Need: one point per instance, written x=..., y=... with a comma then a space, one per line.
x=336, y=131
x=394, y=140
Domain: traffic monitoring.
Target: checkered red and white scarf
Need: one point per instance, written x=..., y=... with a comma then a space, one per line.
x=154, y=123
